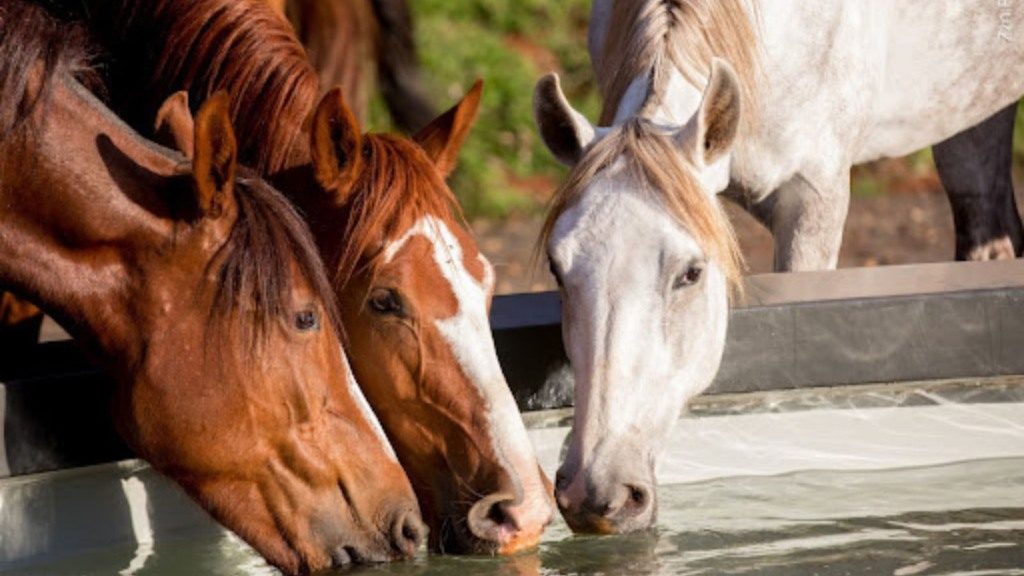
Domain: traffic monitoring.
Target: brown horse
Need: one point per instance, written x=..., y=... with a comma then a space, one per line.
x=411, y=282
x=341, y=36
x=200, y=290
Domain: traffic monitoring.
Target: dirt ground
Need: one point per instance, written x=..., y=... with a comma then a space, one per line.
x=905, y=226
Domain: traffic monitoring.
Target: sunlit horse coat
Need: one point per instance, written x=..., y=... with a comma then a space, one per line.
x=803, y=91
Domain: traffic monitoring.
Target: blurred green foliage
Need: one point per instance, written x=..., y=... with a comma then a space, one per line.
x=1018, y=140
x=504, y=166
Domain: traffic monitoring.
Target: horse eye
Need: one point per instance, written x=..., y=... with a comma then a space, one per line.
x=688, y=278
x=386, y=301
x=307, y=320
x=554, y=271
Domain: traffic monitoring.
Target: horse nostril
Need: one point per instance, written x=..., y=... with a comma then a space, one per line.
x=632, y=509
x=561, y=481
x=342, y=557
x=562, y=498
x=407, y=533
x=489, y=518
x=627, y=508
x=638, y=496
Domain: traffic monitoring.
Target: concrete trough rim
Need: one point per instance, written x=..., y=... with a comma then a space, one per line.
x=955, y=320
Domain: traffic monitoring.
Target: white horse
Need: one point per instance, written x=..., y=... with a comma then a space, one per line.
x=636, y=238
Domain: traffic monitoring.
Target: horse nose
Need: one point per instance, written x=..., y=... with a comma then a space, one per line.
x=403, y=535
x=407, y=533
x=499, y=520
x=627, y=507
x=489, y=518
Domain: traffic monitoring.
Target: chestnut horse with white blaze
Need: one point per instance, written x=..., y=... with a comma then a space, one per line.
x=412, y=285
x=199, y=289
x=768, y=102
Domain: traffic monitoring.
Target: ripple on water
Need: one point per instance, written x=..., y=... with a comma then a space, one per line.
x=964, y=519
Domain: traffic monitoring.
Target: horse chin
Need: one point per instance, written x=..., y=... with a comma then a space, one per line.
x=453, y=537
x=608, y=496
x=521, y=542
x=587, y=523
x=451, y=534
x=467, y=544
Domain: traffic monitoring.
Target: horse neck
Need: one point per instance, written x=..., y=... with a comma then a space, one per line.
x=339, y=38
x=273, y=93
x=681, y=94
x=679, y=103
x=72, y=236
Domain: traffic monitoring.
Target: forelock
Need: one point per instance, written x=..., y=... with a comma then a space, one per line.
x=653, y=160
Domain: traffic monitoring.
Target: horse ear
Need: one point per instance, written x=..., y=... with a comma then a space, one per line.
x=336, y=145
x=443, y=138
x=718, y=119
x=216, y=156
x=565, y=131
x=174, y=126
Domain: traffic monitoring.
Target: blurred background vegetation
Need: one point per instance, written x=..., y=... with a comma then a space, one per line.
x=504, y=168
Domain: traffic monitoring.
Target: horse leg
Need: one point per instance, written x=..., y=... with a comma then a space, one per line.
x=339, y=39
x=20, y=322
x=806, y=220
x=398, y=67
x=975, y=169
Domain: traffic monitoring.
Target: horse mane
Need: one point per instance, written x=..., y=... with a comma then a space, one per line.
x=33, y=41
x=397, y=186
x=254, y=265
x=241, y=46
x=245, y=47
x=649, y=37
x=653, y=158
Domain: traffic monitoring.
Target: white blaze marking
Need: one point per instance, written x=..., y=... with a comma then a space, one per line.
x=138, y=508
x=488, y=281
x=364, y=407
x=468, y=334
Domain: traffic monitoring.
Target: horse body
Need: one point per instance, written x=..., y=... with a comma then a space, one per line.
x=226, y=357
x=841, y=84
x=813, y=89
x=342, y=36
x=886, y=79
x=928, y=73
x=443, y=403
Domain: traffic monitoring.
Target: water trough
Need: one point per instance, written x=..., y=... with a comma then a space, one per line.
x=863, y=419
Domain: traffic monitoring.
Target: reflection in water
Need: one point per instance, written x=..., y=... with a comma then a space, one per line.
x=627, y=554
x=525, y=564
x=965, y=518
x=985, y=540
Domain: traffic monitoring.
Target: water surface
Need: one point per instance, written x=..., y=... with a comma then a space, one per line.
x=964, y=518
